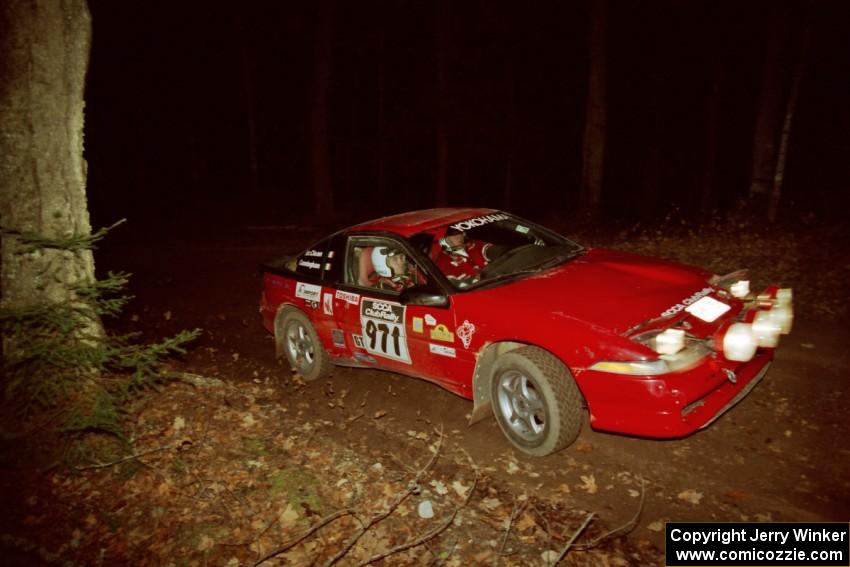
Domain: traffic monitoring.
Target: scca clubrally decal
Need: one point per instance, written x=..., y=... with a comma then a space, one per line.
x=382, y=326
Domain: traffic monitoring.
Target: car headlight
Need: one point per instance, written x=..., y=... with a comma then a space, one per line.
x=633, y=367
x=670, y=341
x=676, y=349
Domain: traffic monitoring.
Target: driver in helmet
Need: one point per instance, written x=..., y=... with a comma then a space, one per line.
x=392, y=270
x=462, y=259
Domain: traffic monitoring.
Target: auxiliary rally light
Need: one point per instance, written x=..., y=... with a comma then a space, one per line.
x=740, y=289
x=738, y=342
x=772, y=318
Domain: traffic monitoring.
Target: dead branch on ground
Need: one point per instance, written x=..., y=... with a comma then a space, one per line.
x=313, y=529
x=625, y=528
x=518, y=509
x=575, y=535
x=125, y=459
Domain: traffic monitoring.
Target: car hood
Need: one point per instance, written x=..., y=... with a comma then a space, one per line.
x=610, y=290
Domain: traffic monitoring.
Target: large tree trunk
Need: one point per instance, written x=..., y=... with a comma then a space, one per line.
x=596, y=110
x=44, y=54
x=320, y=138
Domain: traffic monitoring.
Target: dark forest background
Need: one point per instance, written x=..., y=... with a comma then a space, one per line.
x=195, y=105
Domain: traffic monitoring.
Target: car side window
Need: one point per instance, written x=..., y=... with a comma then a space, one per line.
x=310, y=262
x=335, y=259
x=381, y=264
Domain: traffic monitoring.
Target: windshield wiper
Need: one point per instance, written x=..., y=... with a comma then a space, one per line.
x=550, y=263
x=561, y=258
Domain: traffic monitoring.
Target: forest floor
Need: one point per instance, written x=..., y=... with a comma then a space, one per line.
x=242, y=461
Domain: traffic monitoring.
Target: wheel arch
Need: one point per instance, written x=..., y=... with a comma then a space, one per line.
x=282, y=310
x=483, y=374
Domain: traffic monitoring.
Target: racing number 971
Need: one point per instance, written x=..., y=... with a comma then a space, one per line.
x=383, y=326
x=373, y=330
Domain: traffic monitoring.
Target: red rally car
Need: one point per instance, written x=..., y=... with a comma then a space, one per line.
x=526, y=323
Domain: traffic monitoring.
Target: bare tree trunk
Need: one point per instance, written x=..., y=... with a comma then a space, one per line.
x=247, y=94
x=381, y=158
x=442, y=47
x=320, y=146
x=799, y=70
x=596, y=110
x=44, y=55
x=767, y=118
x=510, y=126
x=707, y=192
x=508, y=189
x=651, y=149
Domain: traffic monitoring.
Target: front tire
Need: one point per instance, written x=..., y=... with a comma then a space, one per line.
x=536, y=401
x=299, y=341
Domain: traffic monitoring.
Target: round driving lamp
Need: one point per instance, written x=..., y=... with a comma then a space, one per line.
x=738, y=342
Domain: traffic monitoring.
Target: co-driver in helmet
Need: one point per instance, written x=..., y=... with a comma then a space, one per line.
x=462, y=258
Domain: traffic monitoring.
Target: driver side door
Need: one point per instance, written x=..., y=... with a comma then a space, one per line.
x=386, y=333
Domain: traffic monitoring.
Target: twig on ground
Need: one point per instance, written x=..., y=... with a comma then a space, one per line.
x=545, y=526
x=624, y=528
x=353, y=418
x=125, y=459
x=440, y=558
x=262, y=533
x=575, y=535
x=313, y=529
x=515, y=512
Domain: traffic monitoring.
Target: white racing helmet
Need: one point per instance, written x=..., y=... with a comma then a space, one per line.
x=453, y=249
x=379, y=260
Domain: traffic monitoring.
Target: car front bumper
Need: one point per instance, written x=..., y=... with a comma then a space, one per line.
x=670, y=405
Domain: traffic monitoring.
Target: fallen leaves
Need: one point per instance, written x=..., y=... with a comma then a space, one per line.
x=460, y=489
x=439, y=487
x=588, y=484
x=230, y=477
x=690, y=496
x=289, y=517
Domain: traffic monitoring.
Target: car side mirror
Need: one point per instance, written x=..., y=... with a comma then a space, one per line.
x=423, y=295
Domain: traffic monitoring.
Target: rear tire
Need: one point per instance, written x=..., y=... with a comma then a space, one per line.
x=536, y=401
x=298, y=340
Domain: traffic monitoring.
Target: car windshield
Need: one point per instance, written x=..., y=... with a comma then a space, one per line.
x=490, y=248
